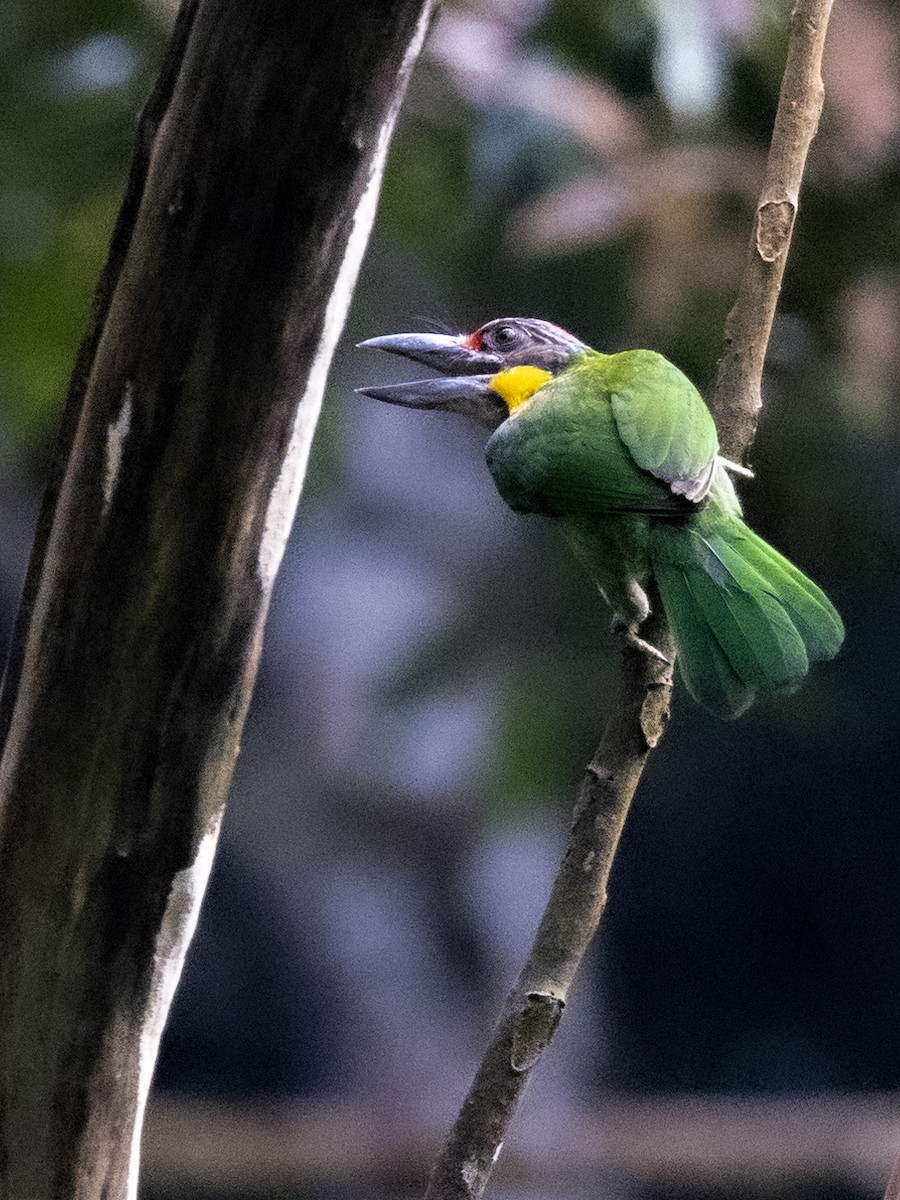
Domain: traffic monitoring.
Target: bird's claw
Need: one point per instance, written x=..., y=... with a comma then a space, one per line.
x=639, y=643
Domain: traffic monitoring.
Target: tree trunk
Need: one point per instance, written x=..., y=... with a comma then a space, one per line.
x=183, y=450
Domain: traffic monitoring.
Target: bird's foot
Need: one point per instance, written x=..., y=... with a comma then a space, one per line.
x=631, y=638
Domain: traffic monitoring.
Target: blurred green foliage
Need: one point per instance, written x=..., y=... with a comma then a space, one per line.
x=72, y=79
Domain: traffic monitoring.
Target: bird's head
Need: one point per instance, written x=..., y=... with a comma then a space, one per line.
x=485, y=375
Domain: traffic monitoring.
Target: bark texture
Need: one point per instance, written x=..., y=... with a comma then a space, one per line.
x=573, y=913
x=182, y=454
x=738, y=396
x=534, y=1006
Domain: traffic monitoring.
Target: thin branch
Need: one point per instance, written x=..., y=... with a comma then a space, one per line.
x=534, y=1006
x=738, y=395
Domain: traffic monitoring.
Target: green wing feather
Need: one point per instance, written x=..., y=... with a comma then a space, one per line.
x=600, y=439
x=662, y=419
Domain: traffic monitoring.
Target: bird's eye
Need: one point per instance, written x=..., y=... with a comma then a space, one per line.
x=505, y=337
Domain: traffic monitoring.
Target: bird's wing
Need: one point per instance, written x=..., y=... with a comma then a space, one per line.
x=615, y=434
x=663, y=421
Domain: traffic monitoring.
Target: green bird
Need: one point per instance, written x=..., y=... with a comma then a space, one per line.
x=621, y=452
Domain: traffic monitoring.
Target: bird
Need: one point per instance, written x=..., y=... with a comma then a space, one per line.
x=621, y=453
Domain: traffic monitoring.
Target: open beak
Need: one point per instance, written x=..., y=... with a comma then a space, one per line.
x=464, y=386
x=441, y=351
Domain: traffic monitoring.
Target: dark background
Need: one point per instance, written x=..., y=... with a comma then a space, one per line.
x=435, y=672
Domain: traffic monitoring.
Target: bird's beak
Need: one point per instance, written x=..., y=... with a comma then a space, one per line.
x=464, y=387
x=444, y=353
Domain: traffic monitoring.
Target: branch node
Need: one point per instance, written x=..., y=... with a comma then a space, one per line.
x=601, y=774
x=474, y=1177
x=654, y=715
x=175, y=207
x=774, y=223
x=534, y=1028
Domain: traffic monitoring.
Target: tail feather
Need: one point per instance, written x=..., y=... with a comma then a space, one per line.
x=812, y=612
x=702, y=662
x=758, y=637
x=745, y=619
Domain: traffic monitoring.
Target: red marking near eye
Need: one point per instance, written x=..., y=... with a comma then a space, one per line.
x=473, y=342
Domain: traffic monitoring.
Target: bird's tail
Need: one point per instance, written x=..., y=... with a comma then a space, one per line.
x=744, y=619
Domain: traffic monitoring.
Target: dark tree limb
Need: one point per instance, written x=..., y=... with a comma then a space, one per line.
x=183, y=450
x=534, y=1006
x=148, y=124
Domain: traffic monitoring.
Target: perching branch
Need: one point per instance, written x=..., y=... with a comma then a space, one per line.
x=738, y=395
x=183, y=451
x=534, y=1006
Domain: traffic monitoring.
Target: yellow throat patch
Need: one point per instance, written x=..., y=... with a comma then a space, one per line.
x=518, y=384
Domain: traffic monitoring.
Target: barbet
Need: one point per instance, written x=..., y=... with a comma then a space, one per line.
x=621, y=452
